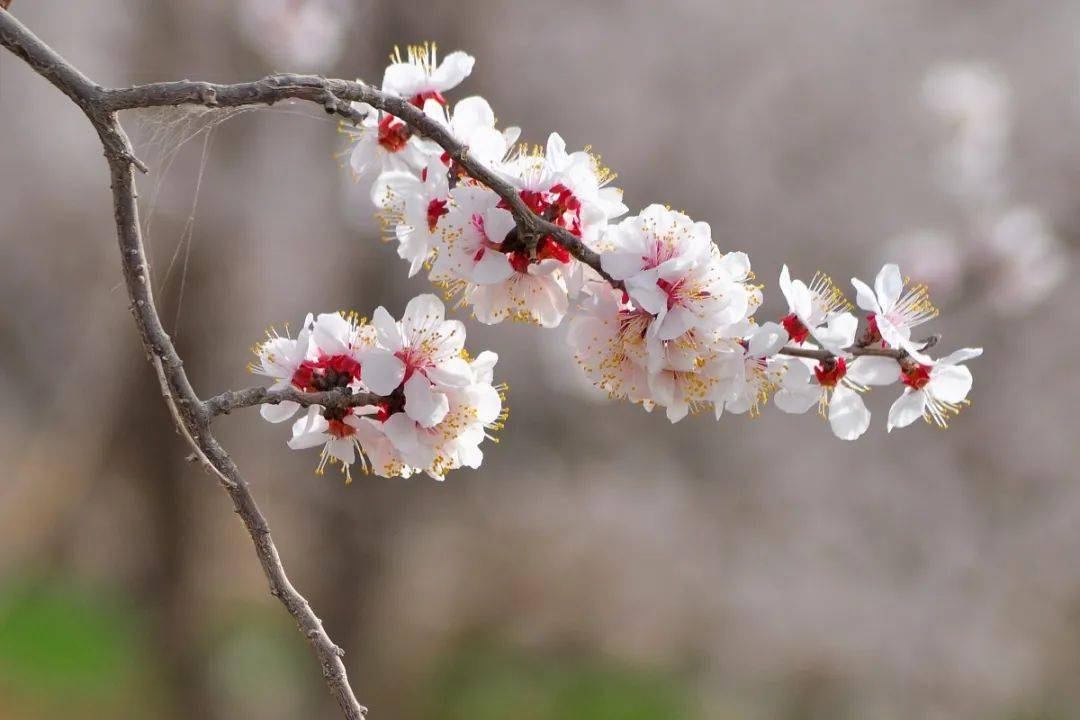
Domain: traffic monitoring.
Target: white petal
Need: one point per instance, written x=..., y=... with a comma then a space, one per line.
x=454, y=372
x=309, y=431
x=864, y=297
x=470, y=114
x=907, y=409
x=621, y=265
x=403, y=78
x=838, y=334
x=493, y=267
x=950, y=383
x=422, y=311
x=422, y=404
x=363, y=153
x=767, y=340
x=848, y=415
x=736, y=265
x=959, y=356
x=497, y=224
x=797, y=400
x=871, y=370
x=331, y=333
x=381, y=371
x=454, y=68
x=343, y=449
x=645, y=292
x=785, y=286
x=484, y=366
x=675, y=322
x=386, y=330
x=888, y=285
x=279, y=413
x=677, y=411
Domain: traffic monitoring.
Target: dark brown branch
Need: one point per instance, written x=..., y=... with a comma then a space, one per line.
x=897, y=354
x=313, y=88
x=231, y=400
x=189, y=413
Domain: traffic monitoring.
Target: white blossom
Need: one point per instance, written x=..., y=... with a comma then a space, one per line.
x=895, y=308
x=934, y=390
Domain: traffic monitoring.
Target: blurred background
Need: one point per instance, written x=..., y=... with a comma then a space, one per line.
x=603, y=565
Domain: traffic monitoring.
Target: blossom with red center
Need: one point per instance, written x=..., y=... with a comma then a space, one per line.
x=420, y=354
x=934, y=391
x=821, y=312
x=385, y=142
x=834, y=386
x=830, y=372
x=895, y=308
x=474, y=230
x=915, y=376
x=281, y=357
x=410, y=210
x=419, y=76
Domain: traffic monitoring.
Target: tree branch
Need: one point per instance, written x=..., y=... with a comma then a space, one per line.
x=189, y=413
x=275, y=88
x=898, y=354
x=231, y=400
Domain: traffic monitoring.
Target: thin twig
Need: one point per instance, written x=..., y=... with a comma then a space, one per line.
x=276, y=88
x=231, y=400
x=898, y=354
x=192, y=419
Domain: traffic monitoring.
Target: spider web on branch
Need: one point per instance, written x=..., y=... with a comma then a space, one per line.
x=160, y=135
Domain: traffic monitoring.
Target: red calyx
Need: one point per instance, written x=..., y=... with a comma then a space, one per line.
x=873, y=335
x=393, y=134
x=795, y=328
x=384, y=412
x=548, y=249
x=340, y=429
x=830, y=372
x=519, y=260
x=435, y=210
x=311, y=376
x=915, y=377
x=420, y=98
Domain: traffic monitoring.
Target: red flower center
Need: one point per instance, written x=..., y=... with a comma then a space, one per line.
x=795, y=328
x=915, y=377
x=830, y=372
x=435, y=210
x=326, y=373
x=519, y=260
x=673, y=291
x=340, y=429
x=393, y=134
x=548, y=249
x=873, y=335
x=420, y=98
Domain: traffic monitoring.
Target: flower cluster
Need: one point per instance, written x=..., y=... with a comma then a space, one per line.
x=661, y=315
x=664, y=317
x=412, y=398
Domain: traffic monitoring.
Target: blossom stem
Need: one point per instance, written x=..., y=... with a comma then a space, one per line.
x=856, y=350
x=231, y=400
